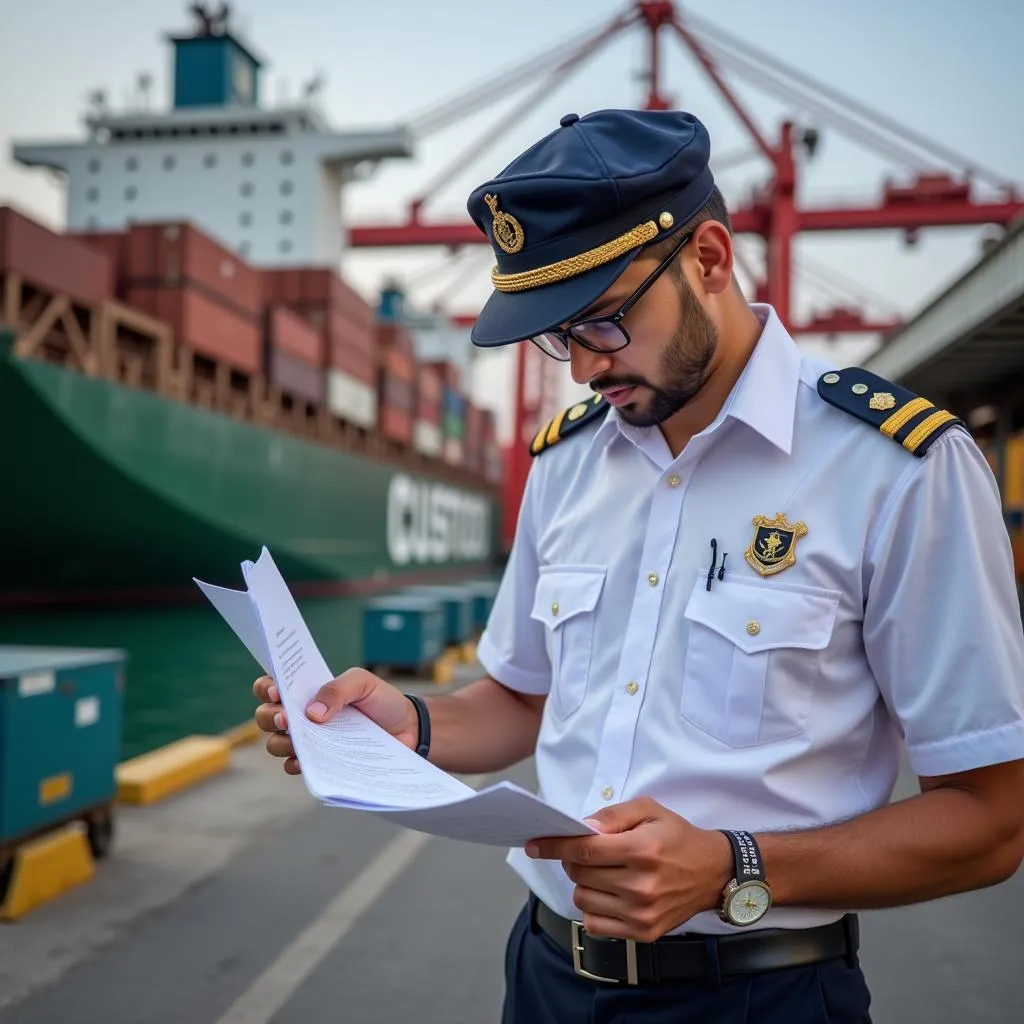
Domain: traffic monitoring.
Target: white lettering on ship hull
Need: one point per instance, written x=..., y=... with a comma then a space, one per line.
x=434, y=523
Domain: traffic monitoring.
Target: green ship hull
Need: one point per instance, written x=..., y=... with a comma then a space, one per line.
x=114, y=494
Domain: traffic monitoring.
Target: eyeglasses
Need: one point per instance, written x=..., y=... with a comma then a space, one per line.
x=602, y=334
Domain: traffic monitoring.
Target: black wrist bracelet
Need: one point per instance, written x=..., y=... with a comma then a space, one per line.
x=423, y=738
x=746, y=854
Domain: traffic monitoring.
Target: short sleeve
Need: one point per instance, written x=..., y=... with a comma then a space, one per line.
x=512, y=648
x=942, y=621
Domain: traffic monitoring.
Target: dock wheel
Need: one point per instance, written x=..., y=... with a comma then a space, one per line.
x=100, y=826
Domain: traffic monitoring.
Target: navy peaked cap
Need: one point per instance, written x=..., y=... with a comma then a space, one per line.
x=568, y=215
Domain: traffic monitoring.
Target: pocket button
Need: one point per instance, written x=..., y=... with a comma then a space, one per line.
x=753, y=627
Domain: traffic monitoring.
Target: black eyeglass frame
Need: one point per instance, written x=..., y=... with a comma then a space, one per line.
x=615, y=318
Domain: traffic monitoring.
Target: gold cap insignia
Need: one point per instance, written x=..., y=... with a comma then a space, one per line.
x=773, y=548
x=508, y=232
x=881, y=400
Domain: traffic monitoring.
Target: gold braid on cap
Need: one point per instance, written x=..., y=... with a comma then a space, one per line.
x=578, y=264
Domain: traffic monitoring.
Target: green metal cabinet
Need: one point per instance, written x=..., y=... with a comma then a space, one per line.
x=60, y=736
x=403, y=631
x=484, y=592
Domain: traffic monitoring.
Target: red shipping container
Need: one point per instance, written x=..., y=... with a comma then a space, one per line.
x=396, y=393
x=361, y=365
x=113, y=245
x=307, y=289
x=473, y=437
x=295, y=376
x=429, y=383
x=177, y=254
x=392, y=335
x=399, y=365
x=450, y=376
x=430, y=412
x=288, y=332
x=51, y=262
x=396, y=424
x=204, y=325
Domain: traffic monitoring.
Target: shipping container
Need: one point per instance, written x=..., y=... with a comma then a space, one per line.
x=396, y=424
x=399, y=364
x=429, y=412
x=288, y=332
x=363, y=366
x=52, y=262
x=451, y=377
x=397, y=393
x=474, y=432
x=113, y=245
x=429, y=384
x=206, y=326
x=351, y=399
x=177, y=254
x=454, y=403
x=308, y=289
x=427, y=438
x=453, y=451
x=295, y=376
x=395, y=336
x=453, y=426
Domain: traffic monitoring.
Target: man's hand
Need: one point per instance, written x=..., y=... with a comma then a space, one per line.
x=378, y=700
x=647, y=873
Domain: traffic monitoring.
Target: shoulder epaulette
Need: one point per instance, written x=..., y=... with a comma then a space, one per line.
x=901, y=415
x=567, y=422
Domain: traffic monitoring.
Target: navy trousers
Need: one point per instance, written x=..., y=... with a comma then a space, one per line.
x=543, y=988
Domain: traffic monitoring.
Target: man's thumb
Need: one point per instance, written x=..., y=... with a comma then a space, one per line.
x=621, y=817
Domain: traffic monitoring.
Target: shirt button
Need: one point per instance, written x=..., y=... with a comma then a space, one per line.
x=631, y=688
x=607, y=792
x=673, y=481
x=652, y=578
x=753, y=628
x=554, y=608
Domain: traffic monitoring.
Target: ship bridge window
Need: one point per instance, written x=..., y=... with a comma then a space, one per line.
x=169, y=163
x=285, y=217
x=130, y=193
x=94, y=166
x=245, y=219
x=131, y=164
x=248, y=159
x=247, y=188
x=210, y=160
x=92, y=194
x=287, y=157
x=285, y=245
x=287, y=188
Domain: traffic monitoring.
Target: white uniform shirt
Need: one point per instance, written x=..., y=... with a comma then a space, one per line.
x=769, y=703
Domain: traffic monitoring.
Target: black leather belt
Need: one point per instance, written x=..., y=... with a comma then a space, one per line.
x=678, y=959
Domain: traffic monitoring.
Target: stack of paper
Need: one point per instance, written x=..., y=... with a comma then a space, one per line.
x=351, y=761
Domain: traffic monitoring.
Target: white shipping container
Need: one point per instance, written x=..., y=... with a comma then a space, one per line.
x=453, y=450
x=351, y=399
x=426, y=438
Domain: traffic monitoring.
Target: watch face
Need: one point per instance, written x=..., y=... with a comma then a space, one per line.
x=749, y=903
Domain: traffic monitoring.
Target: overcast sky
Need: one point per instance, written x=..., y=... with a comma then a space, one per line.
x=949, y=69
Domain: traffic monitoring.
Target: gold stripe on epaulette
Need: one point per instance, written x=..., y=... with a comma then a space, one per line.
x=578, y=264
x=904, y=415
x=924, y=430
x=537, y=444
x=555, y=427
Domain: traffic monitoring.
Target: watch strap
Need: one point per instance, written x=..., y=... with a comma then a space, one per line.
x=746, y=856
x=423, y=717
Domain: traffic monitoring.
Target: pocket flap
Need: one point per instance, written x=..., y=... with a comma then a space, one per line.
x=762, y=617
x=563, y=593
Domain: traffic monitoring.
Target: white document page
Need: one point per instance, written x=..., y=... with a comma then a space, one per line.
x=350, y=761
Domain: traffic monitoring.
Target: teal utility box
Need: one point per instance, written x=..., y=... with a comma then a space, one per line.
x=484, y=592
x=404, y=631
x=60, y=737
x=457, y=600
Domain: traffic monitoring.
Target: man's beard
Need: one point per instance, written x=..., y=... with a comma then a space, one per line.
x=684, y=366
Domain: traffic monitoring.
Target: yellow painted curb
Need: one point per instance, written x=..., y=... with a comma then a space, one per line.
x=239, y=735
x=46, y=867
x=153, y=776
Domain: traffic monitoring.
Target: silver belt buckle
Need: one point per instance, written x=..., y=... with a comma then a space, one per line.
x=632, y=977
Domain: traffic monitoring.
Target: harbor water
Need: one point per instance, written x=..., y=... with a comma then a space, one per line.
x=186, y=671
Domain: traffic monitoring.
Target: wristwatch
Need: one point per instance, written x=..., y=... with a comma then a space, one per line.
x=746, y=899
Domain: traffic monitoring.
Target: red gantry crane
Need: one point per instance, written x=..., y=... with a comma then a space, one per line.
x=941, y=192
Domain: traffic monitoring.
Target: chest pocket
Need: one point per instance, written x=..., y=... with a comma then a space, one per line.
x=753, y=657
x=566, y=601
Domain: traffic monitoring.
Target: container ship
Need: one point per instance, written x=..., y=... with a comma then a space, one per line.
x=185, y=375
